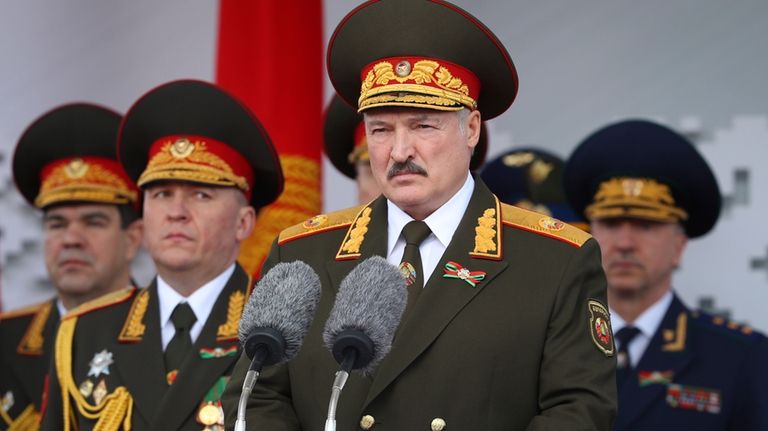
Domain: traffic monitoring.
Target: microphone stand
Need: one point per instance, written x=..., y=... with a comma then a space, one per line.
x=350, y=357
x=259, y=356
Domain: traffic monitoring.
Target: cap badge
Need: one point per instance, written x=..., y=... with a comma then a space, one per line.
x=403, y=68
x=455, y=270
x=182, y=148
x=632, y=186
x=76, y=168
x=516, y=160
x=100, y=363
x=539, y=170
x=600, y=327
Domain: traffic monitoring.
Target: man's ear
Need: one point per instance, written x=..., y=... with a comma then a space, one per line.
x=474, y=123
x=246, y=220
x=134, y=235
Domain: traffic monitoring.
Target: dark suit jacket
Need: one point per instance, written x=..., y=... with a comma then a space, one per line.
x=26, y=343
x=697, y=356
x=513, y=353
x=138, y=359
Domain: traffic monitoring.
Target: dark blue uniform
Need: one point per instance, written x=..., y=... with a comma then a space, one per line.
x=699, y=372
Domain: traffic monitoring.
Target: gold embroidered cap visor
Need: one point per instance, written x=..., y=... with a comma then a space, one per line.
x=193, y=131
x=643, y=198
x=421, y=54
x=640, y=169
x=68, y=156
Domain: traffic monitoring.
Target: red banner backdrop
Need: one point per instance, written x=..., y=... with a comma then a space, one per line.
x=270, y=55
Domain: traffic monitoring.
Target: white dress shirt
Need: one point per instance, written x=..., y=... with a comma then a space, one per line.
x=201, y=301
x=443, y=223
x=648, y=323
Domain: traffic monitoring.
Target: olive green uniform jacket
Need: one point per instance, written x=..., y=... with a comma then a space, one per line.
x=125, y=326
x=26, y=342
x=517, y=351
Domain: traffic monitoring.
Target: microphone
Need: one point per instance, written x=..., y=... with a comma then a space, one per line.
x=275, y=321
x=362, y=324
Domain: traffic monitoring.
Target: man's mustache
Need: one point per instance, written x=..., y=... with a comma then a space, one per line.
x=407, y=167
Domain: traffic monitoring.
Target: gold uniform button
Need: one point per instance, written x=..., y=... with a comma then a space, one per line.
x=367, y=422
x=438, y=424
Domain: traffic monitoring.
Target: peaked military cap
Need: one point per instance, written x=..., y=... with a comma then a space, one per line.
x=345, y=142
x=68, y=156
x=640, y=169
x=422, y=54
x=532, y=179
x=193, y=131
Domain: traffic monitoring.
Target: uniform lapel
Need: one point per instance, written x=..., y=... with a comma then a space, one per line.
x=442, y=297
x=198, y=375
x=374, y=244
x=140, y=365
x=669, y=351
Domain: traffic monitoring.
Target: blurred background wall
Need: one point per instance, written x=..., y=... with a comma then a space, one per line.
x=695, y=65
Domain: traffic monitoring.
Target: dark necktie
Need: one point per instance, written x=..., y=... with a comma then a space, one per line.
x=410, y=265
x=624, y=364
x=181, y=344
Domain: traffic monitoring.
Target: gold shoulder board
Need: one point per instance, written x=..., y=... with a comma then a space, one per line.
x=319, y=223
x=117, y=297
x=24, y=311
x=543, y=225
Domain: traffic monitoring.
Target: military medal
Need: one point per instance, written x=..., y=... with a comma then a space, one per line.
x=455, y=270
x=210, y=413
x=100, y=363
x=170, y=376
x=86, y=388
x=408, y=272
x=100, y=392
x=7, y=402
x=693, y=398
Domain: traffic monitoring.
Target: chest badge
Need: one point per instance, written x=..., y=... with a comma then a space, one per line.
x=455, y=270
x=100, y=363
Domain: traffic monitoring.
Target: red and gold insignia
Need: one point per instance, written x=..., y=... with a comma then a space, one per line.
x=217, y=352
x=316, y=221
x=170, y=376
x=645, y=378
x=551, y=224
x=408, y=272
x=455, y=270
x=600, y=327
x=693, y=398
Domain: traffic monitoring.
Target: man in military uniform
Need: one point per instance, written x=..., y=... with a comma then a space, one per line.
x=506, y=328
x=347, y=148
x=531, y=178
x=65, y=164
x=646, y=191
x=159, y=358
